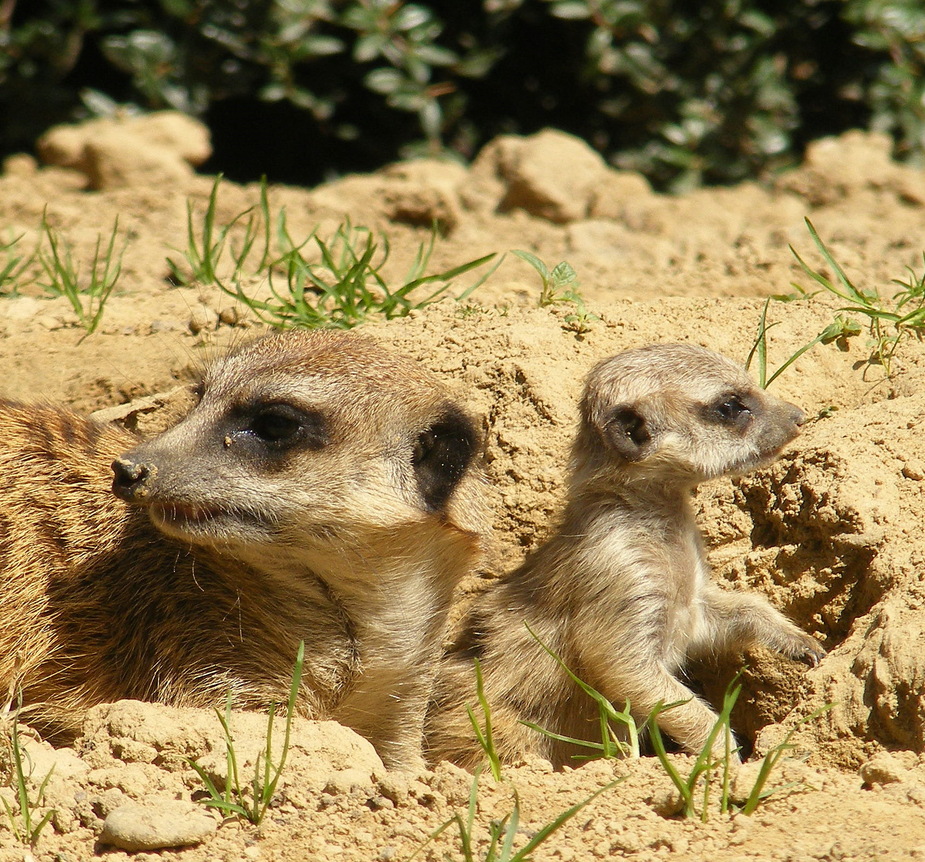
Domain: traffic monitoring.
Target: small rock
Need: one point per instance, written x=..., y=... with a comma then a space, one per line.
x=424, y=192
x=914, y=469
x=46, y=760
x=108, y=800
x=20, y=165
x=202, y=317
x=525, y=173
x=883, y=768
x=124, y=151
x=229, y=315
x=345, y=780
x=157, y=824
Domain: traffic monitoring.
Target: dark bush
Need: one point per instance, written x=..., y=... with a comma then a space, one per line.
x=299, y=89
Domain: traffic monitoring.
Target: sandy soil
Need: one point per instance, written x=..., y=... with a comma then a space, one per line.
x=831, y=533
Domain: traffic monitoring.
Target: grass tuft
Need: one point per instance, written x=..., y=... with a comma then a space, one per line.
x=24, y=821
x=250, y=802
x=560, y=285
x=87, y=296
x=14, y=266
x=889, y=320
x=502, y=832
x=709, y=768
x=346, y=286
x=339, y=285
x=706, y=763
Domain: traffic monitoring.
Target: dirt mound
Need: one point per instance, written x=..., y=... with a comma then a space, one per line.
x=831, y=533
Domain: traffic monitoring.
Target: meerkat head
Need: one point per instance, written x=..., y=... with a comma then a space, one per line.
x=303, y=437
x=680, y=414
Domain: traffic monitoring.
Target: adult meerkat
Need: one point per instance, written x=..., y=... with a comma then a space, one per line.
x=621, y=591
x=323, y=490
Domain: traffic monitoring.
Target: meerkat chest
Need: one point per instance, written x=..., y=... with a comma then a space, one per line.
x=684, y=609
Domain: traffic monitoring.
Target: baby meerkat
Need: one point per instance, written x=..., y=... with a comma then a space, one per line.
x=323, y=489
x=621, y=591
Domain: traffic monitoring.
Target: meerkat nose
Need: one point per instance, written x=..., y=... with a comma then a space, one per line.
x=129, y=478
x=799, y=417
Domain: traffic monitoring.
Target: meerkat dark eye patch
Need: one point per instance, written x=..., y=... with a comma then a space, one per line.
x=278, y=427
x=732, y=409
x=442, y=454
x=626, y=431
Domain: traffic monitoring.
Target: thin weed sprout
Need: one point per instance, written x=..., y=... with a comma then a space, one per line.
x=87, y=296
x=698, y=785
x=484, y=736
x=23, y=822
x=250, y=802
x=610, y=745
x=705, y=762
x=14, y=265
x=341, y=288
x=501, y=833
x=560, y=285
x=889, y=320
x=204, y=248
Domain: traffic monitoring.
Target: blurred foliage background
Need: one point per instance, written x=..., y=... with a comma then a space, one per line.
x=301, y=90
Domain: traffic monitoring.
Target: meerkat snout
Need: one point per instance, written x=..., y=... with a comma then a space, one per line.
x=129, y=478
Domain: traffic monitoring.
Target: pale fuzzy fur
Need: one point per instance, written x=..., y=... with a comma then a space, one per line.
x=335, y=545
x=621, y=591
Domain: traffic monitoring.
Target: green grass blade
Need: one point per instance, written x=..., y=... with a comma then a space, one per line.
x=760, y=347
x=509, y=826
x=12, y=818
x=267, y=222
x=595, y=746
x=873, y=313
x=658, y=744
x=485, y=738
x=547, y=830
x=624, y=718
x=793, y=358
x=853, y=294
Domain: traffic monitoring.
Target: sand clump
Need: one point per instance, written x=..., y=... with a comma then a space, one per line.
x=831, y=533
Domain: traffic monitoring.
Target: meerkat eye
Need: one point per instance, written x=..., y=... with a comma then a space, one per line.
x=732, y=410
x=281, y=426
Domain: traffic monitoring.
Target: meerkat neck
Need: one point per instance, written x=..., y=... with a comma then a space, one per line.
x=386, y=582
x=608, y=495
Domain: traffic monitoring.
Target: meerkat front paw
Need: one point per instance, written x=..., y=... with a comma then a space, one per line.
x=808, y=650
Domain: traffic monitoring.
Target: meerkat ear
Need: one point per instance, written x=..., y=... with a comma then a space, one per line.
x=626, y=430
x=442, y=454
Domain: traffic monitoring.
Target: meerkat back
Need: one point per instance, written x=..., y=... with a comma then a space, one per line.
x=57, y=518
